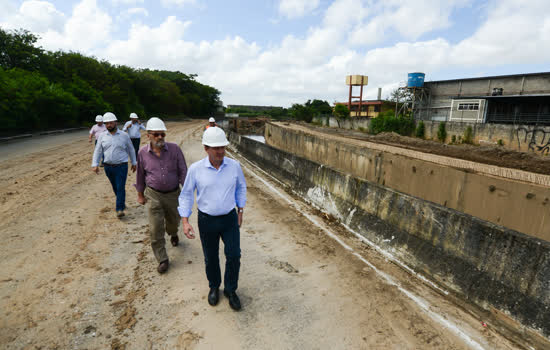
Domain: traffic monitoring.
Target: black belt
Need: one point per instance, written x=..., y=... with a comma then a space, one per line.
x=114, y=165
x=217, y=216
x=169, y=191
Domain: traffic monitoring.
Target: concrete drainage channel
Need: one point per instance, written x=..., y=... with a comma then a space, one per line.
x=500, y=273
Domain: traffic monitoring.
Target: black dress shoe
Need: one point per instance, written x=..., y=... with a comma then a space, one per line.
x=163, y=266
x=213, y=296
x=174, y=240
x=234, y=301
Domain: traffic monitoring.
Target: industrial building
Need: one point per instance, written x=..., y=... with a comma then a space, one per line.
x=506, y=99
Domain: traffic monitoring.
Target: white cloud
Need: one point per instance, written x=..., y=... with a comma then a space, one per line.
x=297, y=8
x=178, y=3
x=409, y=19
x=36, y=16
x=127, y=2
x=313, y=65
x=88, y=28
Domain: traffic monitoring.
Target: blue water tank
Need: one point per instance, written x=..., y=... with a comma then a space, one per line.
x=416, y=80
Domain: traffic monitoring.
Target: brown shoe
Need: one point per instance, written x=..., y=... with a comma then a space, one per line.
x=174, y=240
x=163, y=266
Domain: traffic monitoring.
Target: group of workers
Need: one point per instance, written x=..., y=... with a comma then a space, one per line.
x=167, y=187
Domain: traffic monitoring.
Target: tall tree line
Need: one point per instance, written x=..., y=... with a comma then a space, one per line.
x=42, y=90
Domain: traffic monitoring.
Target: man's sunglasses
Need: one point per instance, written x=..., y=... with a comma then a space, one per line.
x=157, y=134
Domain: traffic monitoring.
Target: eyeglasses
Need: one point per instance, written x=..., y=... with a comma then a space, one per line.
x=157, y=134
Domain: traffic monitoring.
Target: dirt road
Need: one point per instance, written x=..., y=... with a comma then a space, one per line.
x=75, y=277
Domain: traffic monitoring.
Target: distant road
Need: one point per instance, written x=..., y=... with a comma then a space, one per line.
x=23, y=147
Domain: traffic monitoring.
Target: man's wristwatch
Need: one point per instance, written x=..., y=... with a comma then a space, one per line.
x=240, y=210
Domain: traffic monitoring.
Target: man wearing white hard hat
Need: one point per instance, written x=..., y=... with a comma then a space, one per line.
x=115, y=147
x=161, y=170
x=211, y=123
x=133, y=127
x=221, y=187
x=97, y=129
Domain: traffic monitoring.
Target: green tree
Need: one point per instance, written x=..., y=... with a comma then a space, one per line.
x=341, y=112
x=420, y=130
x=17, y=50
x=441, y=132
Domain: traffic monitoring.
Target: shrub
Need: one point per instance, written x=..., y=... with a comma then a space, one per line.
x=420, y=129
x=468, y=135
x=453, y=139
x=389, y=123
x=441, y=132
x=500, y=142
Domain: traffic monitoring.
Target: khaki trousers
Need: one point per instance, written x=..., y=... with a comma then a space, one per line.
x=163, y=217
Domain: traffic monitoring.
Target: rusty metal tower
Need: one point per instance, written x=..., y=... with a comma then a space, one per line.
x=356, y=80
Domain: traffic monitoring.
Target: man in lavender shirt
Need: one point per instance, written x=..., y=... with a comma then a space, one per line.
x=161, y=169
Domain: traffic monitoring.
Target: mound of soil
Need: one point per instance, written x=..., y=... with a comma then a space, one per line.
x=487, y=154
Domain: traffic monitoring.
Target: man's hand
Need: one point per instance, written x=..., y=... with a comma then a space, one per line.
x=95, y=169
x=187, y=229
x=141, y=198
x=90, y=140
x=133, y=168
x=240, y=218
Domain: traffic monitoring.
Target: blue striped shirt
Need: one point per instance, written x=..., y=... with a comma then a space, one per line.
x=218, y=190
x=116, y=149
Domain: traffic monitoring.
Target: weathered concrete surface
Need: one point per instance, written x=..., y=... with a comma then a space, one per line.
x=489, y=265
x=476, y=190
x=515, y=137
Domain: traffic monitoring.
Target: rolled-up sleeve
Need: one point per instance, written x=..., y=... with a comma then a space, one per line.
x=98, y=153
x=240, y=190
x=186, y=196
x=131, y=150
x=182, y=167
x=140, y=175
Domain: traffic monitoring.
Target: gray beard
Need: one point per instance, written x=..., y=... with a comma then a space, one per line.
x=159, y=144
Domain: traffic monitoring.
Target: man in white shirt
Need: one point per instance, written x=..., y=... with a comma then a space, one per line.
x=133, y=127
x=221, y=186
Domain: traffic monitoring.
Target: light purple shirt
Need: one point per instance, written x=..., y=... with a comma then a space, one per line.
x=164, y=173
x=96, y=130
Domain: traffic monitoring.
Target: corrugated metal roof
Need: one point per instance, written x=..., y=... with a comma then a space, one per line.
x=490, y=77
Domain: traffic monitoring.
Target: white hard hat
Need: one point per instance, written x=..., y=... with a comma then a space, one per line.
x=109, y=117
x=214, y=137
x=211, y=120
x=155, y=124
x=98, y=118
x=133, y=116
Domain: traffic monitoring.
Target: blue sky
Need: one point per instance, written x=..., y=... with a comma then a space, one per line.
x=279, y=52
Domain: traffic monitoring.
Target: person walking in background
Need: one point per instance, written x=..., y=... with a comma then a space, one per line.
x=97, y=129
x=133, y=127
x=211, y=122
x=220, y=185
x=161, y=169
x=115, y=146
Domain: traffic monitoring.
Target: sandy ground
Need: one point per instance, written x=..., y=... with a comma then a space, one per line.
x=75, y=277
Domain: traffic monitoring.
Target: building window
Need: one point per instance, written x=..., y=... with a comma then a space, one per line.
x=468, y=106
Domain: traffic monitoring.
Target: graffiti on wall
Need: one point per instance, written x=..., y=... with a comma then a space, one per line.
x=536, y=138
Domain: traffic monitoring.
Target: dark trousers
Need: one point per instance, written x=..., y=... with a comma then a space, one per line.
x=117, y=176
x=211, y=229
x=135, y=142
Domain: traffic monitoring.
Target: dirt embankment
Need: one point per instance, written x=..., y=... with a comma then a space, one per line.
x=487, y=154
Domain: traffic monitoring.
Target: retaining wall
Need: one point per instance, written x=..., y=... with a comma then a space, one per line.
x=512, y=198
x=489, y=265
x=526, y=138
